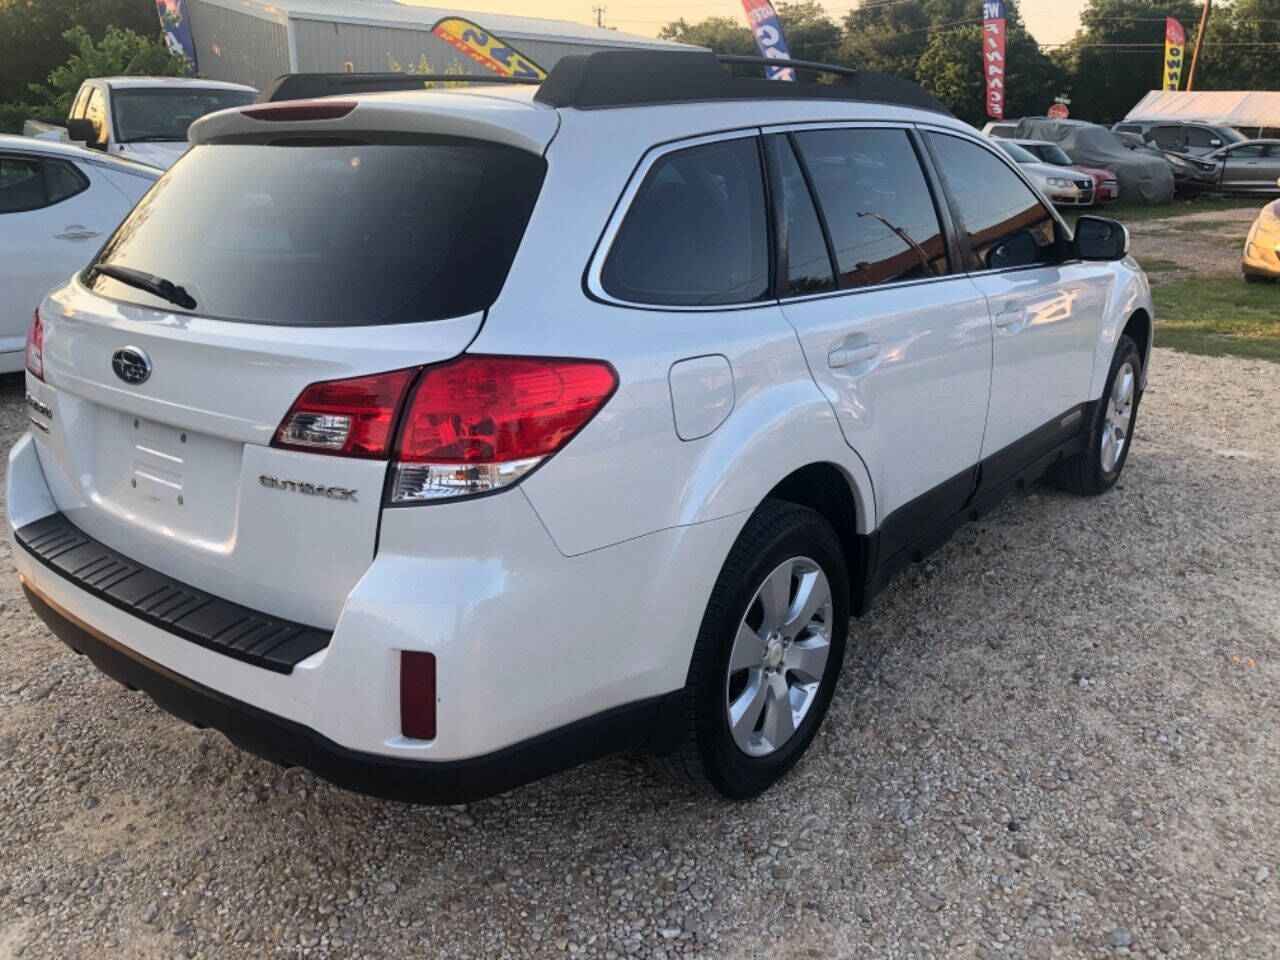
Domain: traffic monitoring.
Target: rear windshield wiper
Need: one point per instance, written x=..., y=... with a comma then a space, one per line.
x=159, y=286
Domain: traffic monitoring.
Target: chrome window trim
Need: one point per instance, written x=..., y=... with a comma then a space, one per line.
x=1001, y=156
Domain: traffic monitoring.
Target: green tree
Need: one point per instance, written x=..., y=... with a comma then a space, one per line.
x=951, y=68
x=809, y=32
x=721, y=34
x=33, y=34
x=892, y=37
x=1242, y=49
x=118, y=53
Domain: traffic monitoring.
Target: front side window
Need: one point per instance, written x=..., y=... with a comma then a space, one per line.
x=1007, y=225
x=339, y=234
x=1249, y=151
x=141, y=114
x=1168, y=138
x=696, y=233
x=877, y=204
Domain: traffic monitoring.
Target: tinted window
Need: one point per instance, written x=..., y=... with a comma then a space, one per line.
x=62, y=180
x=142, y=114
x=1248, y=151
x=21, y=187
x=696, y=232
x=1170, y=138
x=1016, y=153
x=1203, y=140
x=877, y=205
x=1006, y=223
x=344, y=234
x=808, y=260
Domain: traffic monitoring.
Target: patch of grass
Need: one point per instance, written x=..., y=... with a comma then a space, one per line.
x=1141, y=213
x=1156, y=265
x=1219, y=316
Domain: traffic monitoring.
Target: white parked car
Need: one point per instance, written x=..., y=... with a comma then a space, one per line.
x=440, y=440
x=141, y=118
x=58, y=205
x=1062, y=185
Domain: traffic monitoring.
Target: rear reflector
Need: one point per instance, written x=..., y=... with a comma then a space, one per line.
x=479, y=423
x=418, y=695
x=35, y=347
x=350, y=418
x=294, y=110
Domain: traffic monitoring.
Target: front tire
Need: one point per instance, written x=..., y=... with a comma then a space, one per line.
x=767, y=657
x=1096, y=469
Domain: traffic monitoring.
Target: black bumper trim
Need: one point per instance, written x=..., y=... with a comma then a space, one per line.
x=219, y=625
x=643, y=724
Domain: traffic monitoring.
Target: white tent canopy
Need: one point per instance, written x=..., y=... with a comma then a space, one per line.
x=1233, y=108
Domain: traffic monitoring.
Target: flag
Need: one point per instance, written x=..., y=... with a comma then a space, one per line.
x=177, y=31
x=486, y=49
x=993, y=56
x=765, y=24
x=1174, y=42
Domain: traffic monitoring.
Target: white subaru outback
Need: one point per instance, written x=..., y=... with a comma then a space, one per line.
x=438, y=440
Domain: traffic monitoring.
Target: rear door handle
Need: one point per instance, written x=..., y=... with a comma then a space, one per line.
x=845, y=356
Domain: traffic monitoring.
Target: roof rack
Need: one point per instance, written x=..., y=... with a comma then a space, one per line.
x=619, y=78
x=307, y=86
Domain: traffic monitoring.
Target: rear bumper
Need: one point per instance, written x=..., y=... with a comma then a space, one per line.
x=628, y=727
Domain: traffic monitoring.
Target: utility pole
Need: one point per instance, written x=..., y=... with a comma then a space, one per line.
x=599, y=11
x=1195, y=56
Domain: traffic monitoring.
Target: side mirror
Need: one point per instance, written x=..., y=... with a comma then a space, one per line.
x=81, y=130
x=1098, y=238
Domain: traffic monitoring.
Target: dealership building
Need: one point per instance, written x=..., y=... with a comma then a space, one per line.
x=255, y=41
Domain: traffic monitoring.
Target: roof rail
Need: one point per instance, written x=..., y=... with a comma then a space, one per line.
x=307, y=86
x=620, y=78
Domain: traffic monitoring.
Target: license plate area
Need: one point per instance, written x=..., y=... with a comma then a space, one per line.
x=158, y=463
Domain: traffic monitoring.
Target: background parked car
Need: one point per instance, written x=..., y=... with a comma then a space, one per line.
x=1001, y=128
x=1143, y=178
x=1261, y=258
x=1106, y=188
x=1062, y=185
x=1184, y=137
x=1190, y=174
x=58, y=204
x=1250, y=166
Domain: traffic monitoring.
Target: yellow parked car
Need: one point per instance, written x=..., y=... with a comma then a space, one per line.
x=1262, y=247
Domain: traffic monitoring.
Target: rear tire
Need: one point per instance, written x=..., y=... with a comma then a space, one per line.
x=768, y=652
x=1096, y=469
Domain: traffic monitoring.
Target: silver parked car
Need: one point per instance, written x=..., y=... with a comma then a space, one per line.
x=1249, y=167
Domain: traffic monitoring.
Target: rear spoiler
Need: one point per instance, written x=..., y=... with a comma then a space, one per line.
x=308, y=86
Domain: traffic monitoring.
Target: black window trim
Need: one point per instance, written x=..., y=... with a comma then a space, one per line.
x=971, y=267
x=43, y=161
x=593, y=282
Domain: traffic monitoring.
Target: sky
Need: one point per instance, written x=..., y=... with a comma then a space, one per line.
x=1050, y=21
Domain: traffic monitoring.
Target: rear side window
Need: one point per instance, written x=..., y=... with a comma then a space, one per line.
x=1006, y=223
x=29, y=184
x=877, y=205
x=696, y=232
x=808, y=259
x=331, y=234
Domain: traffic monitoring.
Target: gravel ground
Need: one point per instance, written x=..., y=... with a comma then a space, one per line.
x=1057, y=738
x=1208, y=243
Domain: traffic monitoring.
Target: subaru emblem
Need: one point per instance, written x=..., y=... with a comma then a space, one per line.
x=131, y=364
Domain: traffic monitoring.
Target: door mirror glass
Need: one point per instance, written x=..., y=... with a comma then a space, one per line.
x=81, y=130
x=1018, y=250
x=1098, y=238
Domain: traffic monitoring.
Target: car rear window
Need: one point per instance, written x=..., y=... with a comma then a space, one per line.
x=307, y=233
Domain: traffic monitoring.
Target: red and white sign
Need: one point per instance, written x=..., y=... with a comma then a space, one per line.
x=1058, y=111
x=993, y=56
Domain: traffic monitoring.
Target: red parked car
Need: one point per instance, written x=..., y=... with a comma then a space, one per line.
x=1106, y=188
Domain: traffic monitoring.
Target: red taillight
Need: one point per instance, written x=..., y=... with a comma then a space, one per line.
x=418, y=695
x=293, y=110
x=480, y=423
x=496, y=409
x=350, y=418
x=35, y=347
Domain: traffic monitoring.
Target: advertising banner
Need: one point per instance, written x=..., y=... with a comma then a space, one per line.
x=486, y=49
x=993, y=56
x=1174, y=44
x=764, y=23
x=177, y=31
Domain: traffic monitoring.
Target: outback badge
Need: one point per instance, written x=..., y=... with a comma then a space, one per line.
x=310, y=489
